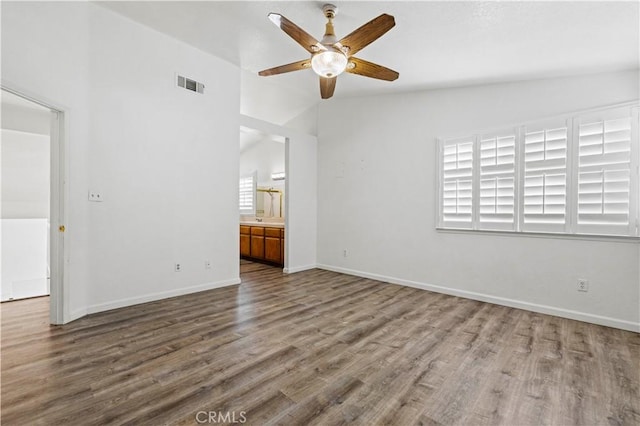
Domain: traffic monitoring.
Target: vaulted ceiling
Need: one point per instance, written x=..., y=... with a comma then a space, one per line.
x=435, y=44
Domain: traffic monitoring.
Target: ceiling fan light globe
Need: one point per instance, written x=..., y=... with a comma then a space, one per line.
x=329, y=63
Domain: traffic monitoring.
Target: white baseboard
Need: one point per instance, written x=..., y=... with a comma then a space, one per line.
x=534, y=307
x=77, y=314
x=121, y=303
x=298, y=269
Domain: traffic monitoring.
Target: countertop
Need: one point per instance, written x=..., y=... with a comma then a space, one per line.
x=263, y=224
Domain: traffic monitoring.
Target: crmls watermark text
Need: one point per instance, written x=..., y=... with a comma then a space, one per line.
x=204, y=417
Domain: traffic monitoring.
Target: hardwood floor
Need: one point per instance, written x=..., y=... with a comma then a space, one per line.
x=315, y=347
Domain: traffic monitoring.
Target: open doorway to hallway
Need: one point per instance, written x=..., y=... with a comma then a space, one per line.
x=32, y=201
x=25, y=212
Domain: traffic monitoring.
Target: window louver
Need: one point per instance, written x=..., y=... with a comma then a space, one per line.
x=545, y=179
x=497, y=182
x=457, y=189
x=604, y=175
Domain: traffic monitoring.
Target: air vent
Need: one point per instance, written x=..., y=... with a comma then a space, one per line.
x=191, y=85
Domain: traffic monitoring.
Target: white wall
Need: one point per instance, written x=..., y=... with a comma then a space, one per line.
x=274, y=100
x=57, y=69
x=265, y=156
x=25, y=175
x=301, y=212
x=165, y=160
x=25, y=204
x=24, y=269
x=31, y=120
x=377, y=197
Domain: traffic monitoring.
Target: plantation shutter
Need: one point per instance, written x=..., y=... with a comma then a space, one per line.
x=248, y=194
x=497, y=181
x=457, y=183
x=605, y=173
x=544, y=183
x=571, y=174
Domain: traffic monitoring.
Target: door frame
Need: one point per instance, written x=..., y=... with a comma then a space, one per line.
x=273, y=132
x=301, y=191
x=59, y=201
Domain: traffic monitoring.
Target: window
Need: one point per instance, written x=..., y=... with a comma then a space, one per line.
x=248, y=193
x=573, y=175
x=497, y=180
x=457, y=176
x=605, y=173
x=545, y=177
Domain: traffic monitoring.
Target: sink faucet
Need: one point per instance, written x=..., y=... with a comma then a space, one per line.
x=258, y=219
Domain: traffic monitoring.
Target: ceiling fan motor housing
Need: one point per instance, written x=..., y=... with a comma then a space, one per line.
x=330, y=10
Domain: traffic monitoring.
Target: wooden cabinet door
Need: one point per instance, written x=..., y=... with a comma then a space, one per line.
x=272, y=249
x=282, y=251
x=257, y=246
x=245, y=245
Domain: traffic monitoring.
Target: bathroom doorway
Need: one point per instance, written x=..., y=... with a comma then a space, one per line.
x=262, y=198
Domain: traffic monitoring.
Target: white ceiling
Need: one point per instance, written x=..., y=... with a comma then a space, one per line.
x=433, y=45
x=250, y=137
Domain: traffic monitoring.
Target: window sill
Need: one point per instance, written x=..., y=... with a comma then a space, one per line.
x=558, y=236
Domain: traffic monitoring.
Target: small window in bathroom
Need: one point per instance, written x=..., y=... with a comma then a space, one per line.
x=248, y=193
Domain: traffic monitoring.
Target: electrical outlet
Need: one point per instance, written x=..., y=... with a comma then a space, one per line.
x=345, y=253
x=178, y=267
x=583, y=285
x=207, y=264
x=95, y=196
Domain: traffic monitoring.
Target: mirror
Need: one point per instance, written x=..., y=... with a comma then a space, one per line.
x=269, y=202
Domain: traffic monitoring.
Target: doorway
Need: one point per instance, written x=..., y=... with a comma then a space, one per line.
x=31, y=233
x=262, y=198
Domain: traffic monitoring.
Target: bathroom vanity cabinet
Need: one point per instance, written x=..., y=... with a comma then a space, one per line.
x=262, y=243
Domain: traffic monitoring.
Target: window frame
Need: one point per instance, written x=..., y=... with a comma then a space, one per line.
x=569, y=228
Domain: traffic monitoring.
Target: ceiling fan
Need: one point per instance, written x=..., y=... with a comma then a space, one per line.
x=330, y=57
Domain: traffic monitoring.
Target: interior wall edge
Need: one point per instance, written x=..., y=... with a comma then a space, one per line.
x=151, y=297
x=482, y=297
x=299, y=268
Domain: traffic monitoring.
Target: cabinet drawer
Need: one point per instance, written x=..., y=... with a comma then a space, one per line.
x=272, y=232
x=245, y=230
x=257, y=230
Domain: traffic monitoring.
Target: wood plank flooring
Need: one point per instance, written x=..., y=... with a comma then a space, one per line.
x=315, y=347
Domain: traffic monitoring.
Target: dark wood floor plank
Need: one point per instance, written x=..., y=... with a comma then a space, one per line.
x=315, y=347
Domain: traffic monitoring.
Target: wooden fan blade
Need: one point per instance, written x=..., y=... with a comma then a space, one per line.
x=295, y=66
x=304, y=39
x=327, y=87
x=368, y=33
x=369, y=69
